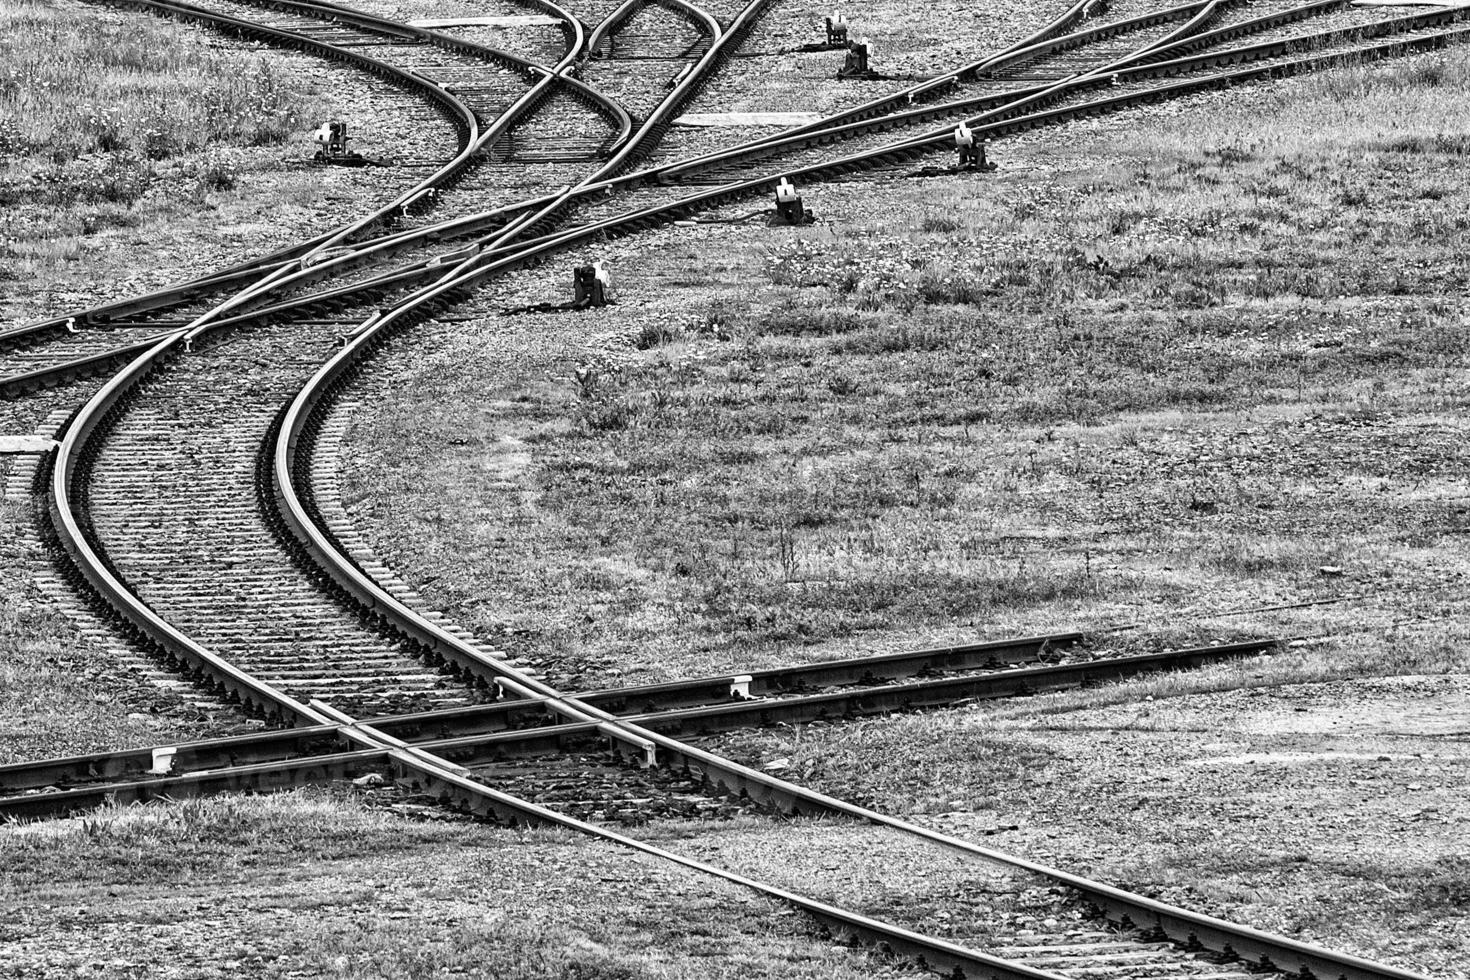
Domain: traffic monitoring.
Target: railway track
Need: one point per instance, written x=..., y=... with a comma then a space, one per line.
x=113, y=437
x=490, y=84
x=516, y=728
x=131, y=461
x=806, y=151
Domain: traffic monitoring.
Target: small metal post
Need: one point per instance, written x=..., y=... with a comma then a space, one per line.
x=788, y=203
x=836, y=29
x=587, y=289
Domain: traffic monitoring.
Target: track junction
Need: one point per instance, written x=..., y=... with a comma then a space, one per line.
x=185, y=504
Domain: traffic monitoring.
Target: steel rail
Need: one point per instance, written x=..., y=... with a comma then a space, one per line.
x=908, y=149
x=272, y=701
x=451, y=782
x=297, y=756
x=828, y=129
x=528, y=712
x=938, y=954
x=492, y=256
x=449, y=779
x=611, y=23
x=1044, y=41
x=1013, y=103
x=284, y=276
x=486, y=733
x=1127, y=68
x=1180, y=924
x=53, y=374
x=57, y=373
x=64, y=509
x=686, y=85
x=1199, y=928
x=825, y=131
x=538, y=91
x=475, y=144
x=455, y=227
x=905, y=149
x=460, y=114
x=704, y=22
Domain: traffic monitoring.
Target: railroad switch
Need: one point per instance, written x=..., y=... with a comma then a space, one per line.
x=855, y=65
x=591, y=285
x=836, y=30
x=789, y=210
x=971, y=151
x=332, y=141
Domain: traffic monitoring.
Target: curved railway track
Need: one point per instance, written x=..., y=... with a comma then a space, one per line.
x=810, y=143
x=238, y=499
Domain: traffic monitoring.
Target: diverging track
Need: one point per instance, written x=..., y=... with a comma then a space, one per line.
x=148, y=472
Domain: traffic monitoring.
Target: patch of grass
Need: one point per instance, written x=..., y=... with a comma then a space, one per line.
x=110, y=120
x=922, y=763
x=498, y=946
x=76, y=84
x=1206, y=360
x=170, y=842
x=316, y=882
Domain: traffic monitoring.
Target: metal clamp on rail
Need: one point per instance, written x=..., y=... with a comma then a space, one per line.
x=455, y=258
x=935, y=85
x=674, y=82
x=620, y=741
x=421, y=194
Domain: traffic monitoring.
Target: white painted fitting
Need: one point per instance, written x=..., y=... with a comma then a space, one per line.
x=740, y=686
x=163, y=760
x=71, y=324
x=648, y=751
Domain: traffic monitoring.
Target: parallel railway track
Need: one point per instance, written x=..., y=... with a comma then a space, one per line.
x=268, y=456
